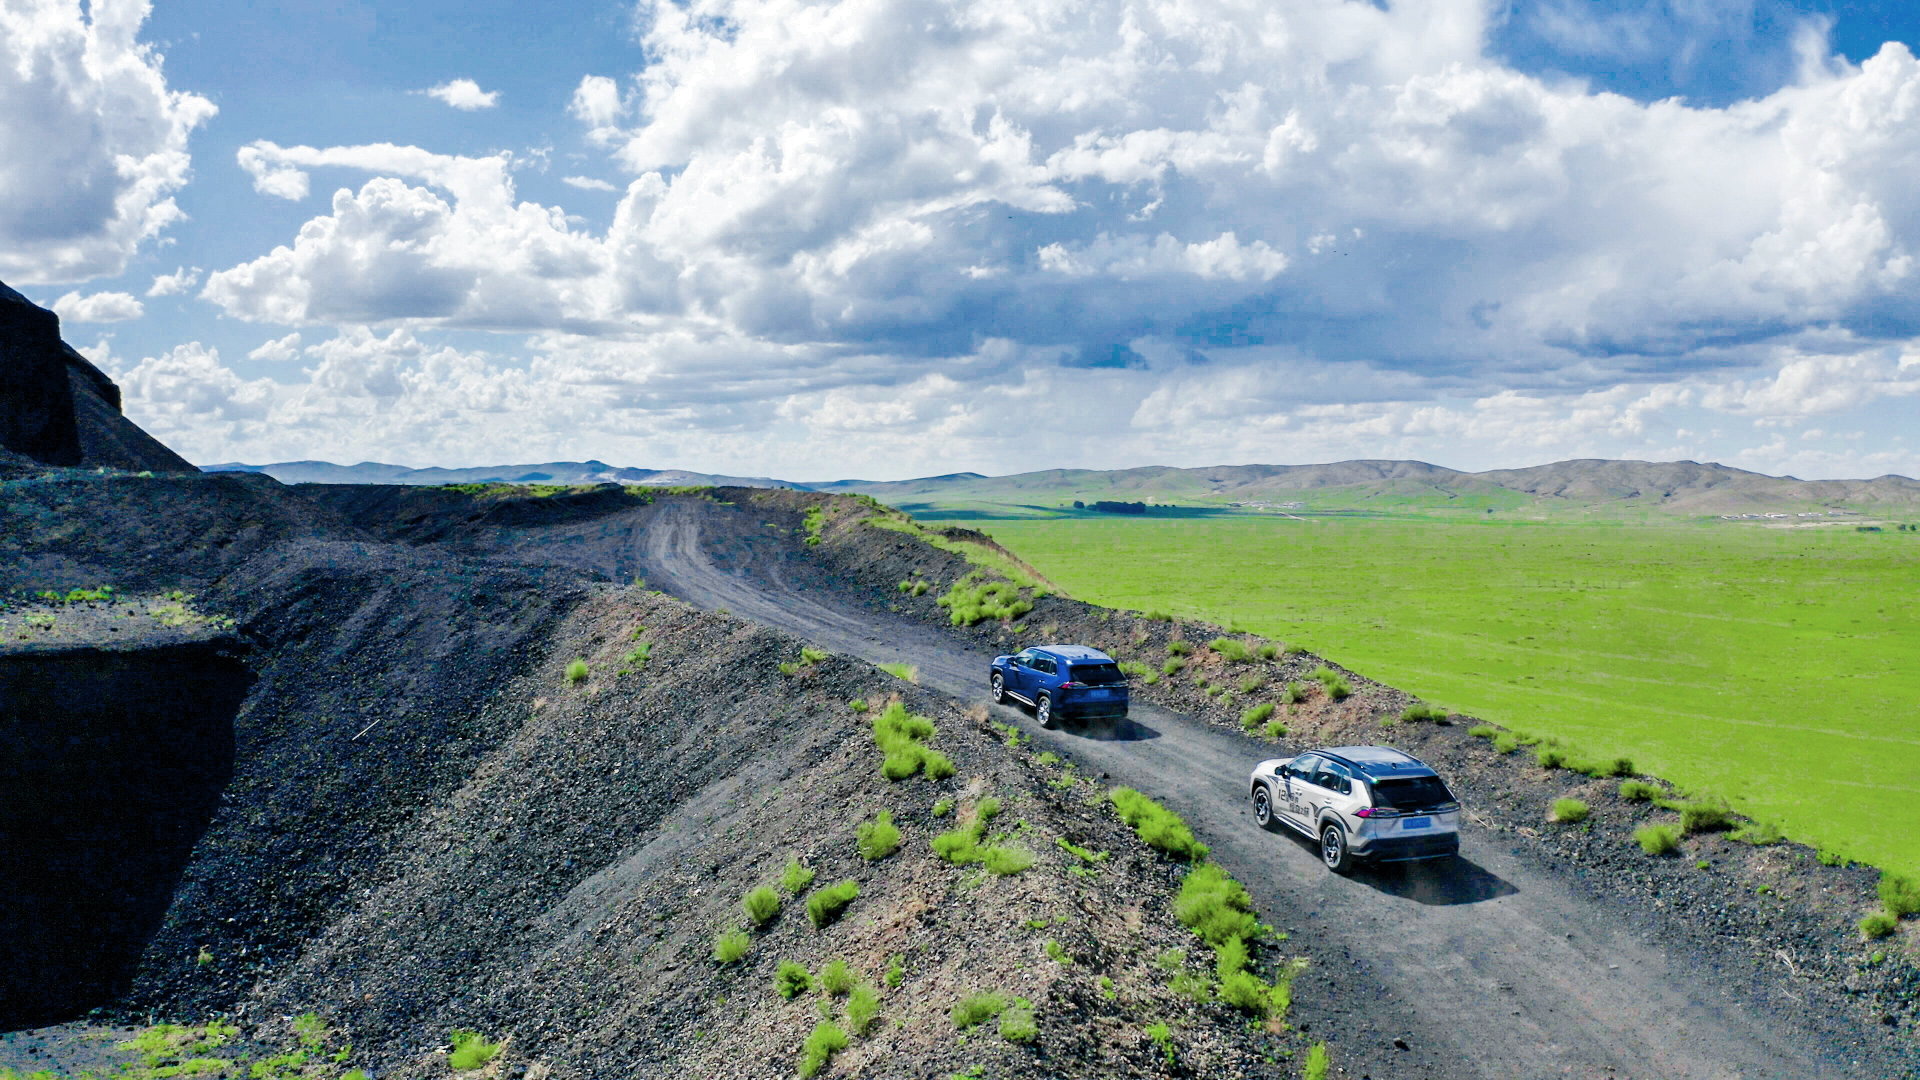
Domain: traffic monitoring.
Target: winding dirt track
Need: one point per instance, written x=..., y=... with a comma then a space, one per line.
x=1483, y=968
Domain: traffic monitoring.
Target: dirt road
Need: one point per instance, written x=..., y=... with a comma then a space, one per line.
x=1481, y=967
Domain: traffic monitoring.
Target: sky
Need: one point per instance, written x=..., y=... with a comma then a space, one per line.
x=890, y=238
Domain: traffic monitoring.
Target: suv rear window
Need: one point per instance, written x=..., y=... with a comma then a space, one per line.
x=1097, y=674
x=1410, y=792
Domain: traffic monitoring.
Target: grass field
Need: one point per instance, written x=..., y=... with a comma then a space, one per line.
x=1778, y=668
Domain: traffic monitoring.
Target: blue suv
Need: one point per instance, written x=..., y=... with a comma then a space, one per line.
x=1069, y=682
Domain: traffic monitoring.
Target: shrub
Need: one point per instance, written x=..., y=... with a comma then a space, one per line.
x=1256, y=715
x=943, y=807
x=1159, y=827
x=1333, y=682
x=836, y=978
x=1232, y=955
x=896, y=970
x=1215, y=906
x=823, y=907
x=576, y=674
x=1172, y=666
x=638, y=657
x=471, y=1050
x=827, y=1038
x=814, y=520
x=878, y=838
x=1017, y=1024
x=789, y=667
x=1232, y=649
x=810, y=655
x=761, y=905
x=1245, y=992
x=1900, y=894
x=1274, y=729
x=1086, y=855
x=1295, y=693
x=1422, y=712
x=863, y=1008
x=1658, y=839
x=971, y=600
x=1570, y=811
x=795, y=877
x=1506, y=742
x=1177, y=647
x=1058, y=953
x=1878, y=925
x=1249, y=683
x=857, y=705
x=904, y=672
x=1483, y=731
x=1704, y=817
x=1757, y=833
x=1162, y=1037
x=1638, y=790
x=1550, y=758
x=1317, y=1063
x=731, y=946
x=1267, y=651
x=791, y=980
x=1601, y=770
x=976, y=1009
x=1005, y=861
x=901, y=737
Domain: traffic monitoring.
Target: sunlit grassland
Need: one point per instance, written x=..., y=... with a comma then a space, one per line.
x=1778, y=668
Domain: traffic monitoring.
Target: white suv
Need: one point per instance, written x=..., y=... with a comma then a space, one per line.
x=1359, y=802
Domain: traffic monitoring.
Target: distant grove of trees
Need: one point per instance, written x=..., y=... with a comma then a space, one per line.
x=1105, y=506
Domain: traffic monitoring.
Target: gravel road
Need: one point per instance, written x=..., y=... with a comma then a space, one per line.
x=1481, y=967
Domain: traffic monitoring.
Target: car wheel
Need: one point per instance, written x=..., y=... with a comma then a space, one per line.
x=1043, y=710
x=1263, y=807
x=1333, y=848
x=999, y=689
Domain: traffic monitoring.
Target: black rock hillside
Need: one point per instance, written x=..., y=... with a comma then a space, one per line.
x=56, y=408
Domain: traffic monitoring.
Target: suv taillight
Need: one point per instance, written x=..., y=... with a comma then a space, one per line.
x=1073, y=686
x=1376, y=811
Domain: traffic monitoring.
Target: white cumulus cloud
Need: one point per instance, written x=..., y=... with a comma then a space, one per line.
x=183, y=279
x=101, y=307
x=93, y=144
x=463, y=94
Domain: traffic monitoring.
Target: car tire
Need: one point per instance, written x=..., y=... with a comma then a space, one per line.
x=1043, y=710
x=1263, y=808
x=1333, y=848
x=999, y=688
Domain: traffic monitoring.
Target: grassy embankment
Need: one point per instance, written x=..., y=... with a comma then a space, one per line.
x=1772, y=667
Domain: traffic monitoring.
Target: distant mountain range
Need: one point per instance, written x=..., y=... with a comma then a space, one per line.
x=1586, y=485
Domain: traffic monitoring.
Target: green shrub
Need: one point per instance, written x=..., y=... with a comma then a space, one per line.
x=814, y=521
x=1267, y=651
x=1193, y=986
x=1232, y=649
x=1638, y=790
x=1057, y=952
x=863, y=1008
x=1570, y=811
x=795, y=877
x=827, y=1038
x=1230, y=956
x=836, y=978
x=789, y=667
x=731, y=946
x=1422, y=711
x=943, y=807
x=1704, y=817
x=1159, y=827
x=471, y=1050
x=1506, y=742
x=1246, y=992
x=791, y=980
x=971, y=600
x=1296, y=692
x=638, y=657
x=1317, y=1063
x=903, y=672
x=1274, y=729
x=576, y=674
x=1483, y=731
x=1757, y=833
x=1005, y=861
x=1550, y=758
x=878, y=838
x=1215, y=906
x=823, y=907
x=1249, y=683
x=1162, y=1037
x=1602, y=770
x=857, y=705
x=976, y=1009
x=1900, y=894
x=1173, y=666
x=1878, y=925
x=1177, y=647
x=1334, y=683
x=1085, y=855
x=1256, y=715
x=761, y=905
x=1017, y=1024
x=896, y=970
x=901, y=737
x=1658, y=839
x=810, y=655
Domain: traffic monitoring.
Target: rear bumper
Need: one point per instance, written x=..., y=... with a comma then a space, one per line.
x=1091, y=710
x=1404, y=848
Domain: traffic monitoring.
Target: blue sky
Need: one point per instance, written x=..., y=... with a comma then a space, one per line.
x=897, y=237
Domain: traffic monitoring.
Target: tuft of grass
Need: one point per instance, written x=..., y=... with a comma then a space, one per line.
x=1483, y=731
x=1159, y=827
x=1085, y=855
x=1550, y=758
x=731, y=946
x=1215, y=906
x=1162, y=1036
x=1900, y=894
x=1275, y=729
x=1317, y=1063
x=1017, y=1024
x=1878, y=925
x=1255, y=715
x=1602, y=770
x=824, y=906
x=1757, y=833
x=1638, y=790
x=962, y=845
x=1057, y=952
x=576, y=672
x=1267, y=651
x=896, y=970
x=1570, y=811
x=761, y=905
x=827, y=1038
x=1252, y=682
x=1704, y=817
x=471, y=1050
x=878, y=838
x=836, y=978
x=901, y=737
x=973, y=600
x=1334, y=683
x=814, y=521
x=1421, y=711
x=1233, y=650
x=639, y=655
x=1506, y=742
x=1177, y=647
x=863, y=1008
x=791, y=980
x=1658, y=839
x=943, y=807
x=811, y=655
x=1173, y=666
x=904, y=672
x=857, y=705
x=795, y=877
x=1005, y=861
x=976, y=1009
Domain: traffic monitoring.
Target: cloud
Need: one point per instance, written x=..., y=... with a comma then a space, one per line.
x=596, y=103
x=463, y=94
x=181, y=280
x=94, y=143
x=277, y=350
x=100, y=307
x=587, y=183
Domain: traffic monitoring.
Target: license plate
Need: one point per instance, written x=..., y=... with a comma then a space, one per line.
x=1099, y=693
x=1417, y=823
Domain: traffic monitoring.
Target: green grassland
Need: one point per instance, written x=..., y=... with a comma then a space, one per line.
x=1777, y=668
